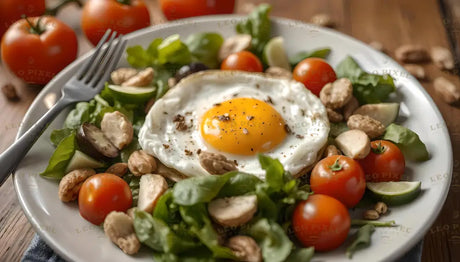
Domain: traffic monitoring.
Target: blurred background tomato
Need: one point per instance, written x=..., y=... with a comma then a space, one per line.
x=12, y=10
x=176, y=9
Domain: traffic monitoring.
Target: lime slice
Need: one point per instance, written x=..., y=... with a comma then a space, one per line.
x=132, y=94
x=395, y=193
x=275, y=55
x=82, y=160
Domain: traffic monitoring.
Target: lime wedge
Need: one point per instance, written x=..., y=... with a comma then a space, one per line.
x=395, y=193
x=82, y=160
x=275, y=55
x=132, y=94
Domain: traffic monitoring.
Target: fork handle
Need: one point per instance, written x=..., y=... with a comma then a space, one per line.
x=10, y=159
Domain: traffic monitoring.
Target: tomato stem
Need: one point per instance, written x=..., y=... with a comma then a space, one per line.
x=336, y=166
x=34, y=29
x=379, y=149
x=124, y=2
x=54, y=10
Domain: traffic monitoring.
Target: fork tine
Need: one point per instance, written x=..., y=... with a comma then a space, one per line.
x=100, y=57
x=112, y=62
x=84, y=68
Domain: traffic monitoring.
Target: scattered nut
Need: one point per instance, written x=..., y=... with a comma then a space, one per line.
x=117, y=128
x=412, y=54
x=334, y=116
x=70, y=184
x=216, y=164
x=337, y=94
x=354, y=143
x=448, y=91
x=119, y=227
x=381, y=208
x=416, y=70
x=10, y=92
x=275, y=71
x=373, y=128
x=349, y=107
x=442, y=58
x=122, y=74
x=322, y=20
x=331, y=150
x=234, y=44
x=118, y=169
x=172, y=82
x=151, y=188
x=233, y=211
x=143, y=78
x=371, y=214
x=140, y=163
x=245, y=248
x=377, y=46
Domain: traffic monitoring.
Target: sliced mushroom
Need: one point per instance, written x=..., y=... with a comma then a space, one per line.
x=151, y=188
x=245, y=248
x=354, y=143
x=233, y=211
x=234, y=44
x=120, y=229
x=70, y=184
x=93, y=142
x=117, y=128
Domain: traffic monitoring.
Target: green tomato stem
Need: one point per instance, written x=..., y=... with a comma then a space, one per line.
x=379, y=149
x=336, y=166
x=124, y=2
x=54, y=10
x=362, y=222
x=34, y=29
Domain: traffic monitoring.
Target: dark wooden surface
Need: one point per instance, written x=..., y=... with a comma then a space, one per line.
x=391, y=22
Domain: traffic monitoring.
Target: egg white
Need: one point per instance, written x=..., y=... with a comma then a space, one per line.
x=302, y=111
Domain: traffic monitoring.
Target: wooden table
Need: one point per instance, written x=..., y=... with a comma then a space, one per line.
x=391, y=22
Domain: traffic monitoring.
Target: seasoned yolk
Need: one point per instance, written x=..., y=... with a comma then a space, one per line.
x=243, y=126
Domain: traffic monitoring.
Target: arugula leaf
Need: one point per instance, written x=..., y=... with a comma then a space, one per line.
x=58, y=135
x=60, y=158
x=191, y=191
x=205, y=48
x=362, y=240
x=408, y=141
x=367, y=88
x=320, y=53
x=258, y=26
x=301, y=254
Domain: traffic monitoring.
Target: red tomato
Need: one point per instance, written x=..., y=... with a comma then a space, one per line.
x=123, y=16
x=244, y=61
x=314, y=73
x=176, y=9
x=37, y=57
x=340, y=177
x=384, y=163
x=321, y=221
x=101, y=194
x=12, y=10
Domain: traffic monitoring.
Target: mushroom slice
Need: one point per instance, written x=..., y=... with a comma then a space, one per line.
x=233, y=211
x=354, y=143
x=151, y=187
x=245, y=248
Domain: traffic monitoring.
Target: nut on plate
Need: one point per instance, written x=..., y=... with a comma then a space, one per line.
x=119, y=227
x=245, y=248
x=373, y=128
x=122, y=74
x=412, y=54
x=141, y=79
x=371, y=214
x=9, y=90
x=140, y=163
x=334, y=116
x=448, y=91
x=118, y=169
x=216, y=164
x=233, y=211
x=117, y=128
x=337, y=94
x=234, y=44
x=70, y=184
x=381, y=208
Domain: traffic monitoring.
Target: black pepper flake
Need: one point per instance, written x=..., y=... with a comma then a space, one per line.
x=165, y=146
x=234, y=95
x=217, y=104
x=188, y=152
x=223, y=117
x=236, y=162
x=188, y=113
x=287, y=128
x=249, y=118
x=245, y=131
x=180, y=123
x=299, y=136
x=257, y=86
x=252, y=149
x=198, y=151
x=302, y=111
x=269, y=100
x=165, y=113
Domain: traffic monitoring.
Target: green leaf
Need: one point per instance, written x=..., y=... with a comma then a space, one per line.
x=133, y=182
x=408, y=141
x=274, y=171
x=205, y=48
x=196, y=190
x=79, y=115
x=337, y=129
x=166, y=210
x=320, y=53
x=60, y=158
x=128, y=150
x=362, y=240
x=239, y=184
x=367, y=88
x=173, y=51
x=58, y=135
x=301, y=255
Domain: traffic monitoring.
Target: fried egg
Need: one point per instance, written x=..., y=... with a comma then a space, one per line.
x=238, y=115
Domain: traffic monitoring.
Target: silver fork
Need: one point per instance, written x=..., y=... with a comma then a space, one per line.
x=83, y=86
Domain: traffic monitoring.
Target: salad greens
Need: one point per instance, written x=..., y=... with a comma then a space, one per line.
x=205, y=48
x=408, y=141
x=363, y=239
x=320, y=53
x=61, y=158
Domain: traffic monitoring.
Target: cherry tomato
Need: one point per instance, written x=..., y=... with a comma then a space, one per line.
x=314, y=73
x=36, y=52
x=244, y=61
x=101, y=194
x=123, y=16
x=384, y=163
x=321, y=221
x=176, y=9
x=12, y=10
x=340, y=177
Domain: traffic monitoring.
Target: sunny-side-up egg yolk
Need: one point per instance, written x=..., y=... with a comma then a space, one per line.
x=243, y=126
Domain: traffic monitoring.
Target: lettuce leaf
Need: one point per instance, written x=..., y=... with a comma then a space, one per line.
x=258, y=26
x=408, y=141
x=205, y=48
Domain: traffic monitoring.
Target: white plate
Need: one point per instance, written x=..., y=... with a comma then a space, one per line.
x=75, y=239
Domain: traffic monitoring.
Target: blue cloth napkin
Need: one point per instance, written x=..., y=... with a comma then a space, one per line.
x=39, y=251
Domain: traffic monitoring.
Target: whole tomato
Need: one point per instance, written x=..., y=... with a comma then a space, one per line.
x=244, y=61
x=384, y=163
x=101, y=194
x=340, y=177
x=176, y=9
x=12, y=10
x=314, y=73
x=321, y=221
x=123, y=16
x=37, y=48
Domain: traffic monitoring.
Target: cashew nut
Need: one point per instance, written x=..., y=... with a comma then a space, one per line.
x=373, y=128
x=337, y=94
x=412, y=54
x=216, y=164
x=416, y=70
x=331, y=150
x=122, y=74
x=233, y=211
x=275, y=71
x=334, y=116
x=234, y=44
x=151, y=187
x=117, y=128
x=442, y=58
x=70, y=184
x=322, y=20
x=245, y=248
x=349, y=107
x=141, y=79
x=448, y=91
x=119, y=227
x=118, y=169
x=354, y=143
x=140, y=163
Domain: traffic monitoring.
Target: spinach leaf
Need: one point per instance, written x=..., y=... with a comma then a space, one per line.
x=79, y=115
x=60, y=158
x=58, y=135
x=274, y=172
x=205, y=48
x=320, y=53
x=408, y=141
x=367, y=88
x=362, y=240
x=258, y=26
x=301, y=254
x=239, y=184
x=166, y=210
x=191, y=191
